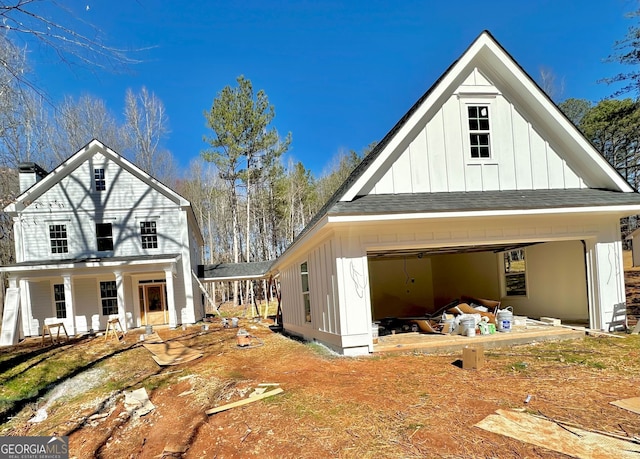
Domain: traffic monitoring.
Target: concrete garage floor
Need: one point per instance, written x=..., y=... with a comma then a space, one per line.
x=432, y=343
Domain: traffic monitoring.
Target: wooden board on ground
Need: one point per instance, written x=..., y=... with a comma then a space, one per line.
x=244, y=401
x=571, y=441
x=171, y=353
x=629, y=404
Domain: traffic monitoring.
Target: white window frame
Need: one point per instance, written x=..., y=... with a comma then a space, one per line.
x=505, y=275
x=99, y=178
x=59, y=301
x=149, y=239
x=98, y=238
x=479, y=132
x=106, y=300
x=477, y=100
x=306, y=297
x=59, y=244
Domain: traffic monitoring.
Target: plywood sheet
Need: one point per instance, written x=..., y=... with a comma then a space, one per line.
x=571, y=441
x=630, y=404
x=171, y=353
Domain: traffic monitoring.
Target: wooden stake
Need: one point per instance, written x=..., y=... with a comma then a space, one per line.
x=244, y=401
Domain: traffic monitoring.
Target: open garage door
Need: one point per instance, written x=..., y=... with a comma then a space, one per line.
x=536, y=279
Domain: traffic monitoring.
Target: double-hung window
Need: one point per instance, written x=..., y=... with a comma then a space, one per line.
x=60, y=301
x=104, y=237
x=58, y=237
x=148, y=235
x=99, y=181
x=109, y=297
x=304, y=276
x=479, y=131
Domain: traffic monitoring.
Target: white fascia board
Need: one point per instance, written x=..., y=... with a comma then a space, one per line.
x=441, y=88
x=87, y=264
x=620, y=210
x=516, y=76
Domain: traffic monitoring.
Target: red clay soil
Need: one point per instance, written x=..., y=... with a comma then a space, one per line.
x=405, y=405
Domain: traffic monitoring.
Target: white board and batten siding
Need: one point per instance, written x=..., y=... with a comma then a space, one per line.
x=437, y=158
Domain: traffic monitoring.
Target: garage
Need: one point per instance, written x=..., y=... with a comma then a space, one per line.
x=536, y=279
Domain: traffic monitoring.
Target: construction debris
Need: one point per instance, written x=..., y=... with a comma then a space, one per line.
x=556, y=436
x=629, y=404
x=244, y=401
x=170, y=353
x=137, y=402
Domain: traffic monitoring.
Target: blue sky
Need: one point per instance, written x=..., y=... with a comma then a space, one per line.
x=339, y=73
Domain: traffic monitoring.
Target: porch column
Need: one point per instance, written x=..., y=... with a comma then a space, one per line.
x=28, y=328
x=122, y=316
x=70, y=323
x=171, y=301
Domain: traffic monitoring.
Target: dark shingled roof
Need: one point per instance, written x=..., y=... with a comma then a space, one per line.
x=483, y=201
x=234, y=270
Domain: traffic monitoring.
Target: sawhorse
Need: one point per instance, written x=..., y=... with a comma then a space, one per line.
x=112, y=326
x=46, y=329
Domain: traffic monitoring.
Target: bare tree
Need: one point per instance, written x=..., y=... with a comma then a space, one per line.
x=550, y=84
x=72, y=39
x=147, y=125
x=80, y=121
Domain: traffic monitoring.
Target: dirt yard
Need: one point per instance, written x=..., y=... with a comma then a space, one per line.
x=402, y=405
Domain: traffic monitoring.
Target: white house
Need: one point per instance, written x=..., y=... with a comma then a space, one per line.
x=484, y=188
x=98, y=237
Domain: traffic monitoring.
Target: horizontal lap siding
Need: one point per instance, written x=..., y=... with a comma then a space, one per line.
x=81, y=233
x=126, y=202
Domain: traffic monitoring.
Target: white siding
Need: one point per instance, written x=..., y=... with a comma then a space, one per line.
x=437, y=158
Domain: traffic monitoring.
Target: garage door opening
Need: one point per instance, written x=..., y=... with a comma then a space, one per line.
x=536, y=279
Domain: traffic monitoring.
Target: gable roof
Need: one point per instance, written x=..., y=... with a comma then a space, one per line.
x=74, y=161
x=485, y=50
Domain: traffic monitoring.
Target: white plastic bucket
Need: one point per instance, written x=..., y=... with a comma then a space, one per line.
x=504, y=319
x=468, y=326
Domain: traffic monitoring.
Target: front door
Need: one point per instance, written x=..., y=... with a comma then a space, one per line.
x=153, y=305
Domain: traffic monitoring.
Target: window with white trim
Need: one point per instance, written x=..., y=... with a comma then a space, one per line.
x=515, y=273
x=109, y=297
x=104, y=237
x=58, y=237
x=99, y=180
x=479, y=131
x=148, y=235
x=60, y=301
x=304, y=276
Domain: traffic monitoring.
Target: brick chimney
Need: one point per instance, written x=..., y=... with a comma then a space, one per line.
x=30, y=174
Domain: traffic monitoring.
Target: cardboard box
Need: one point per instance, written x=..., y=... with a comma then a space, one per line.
x=472, y=357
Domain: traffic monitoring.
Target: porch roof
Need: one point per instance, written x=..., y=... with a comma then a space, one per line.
x=90, y=262
x=234, y=271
